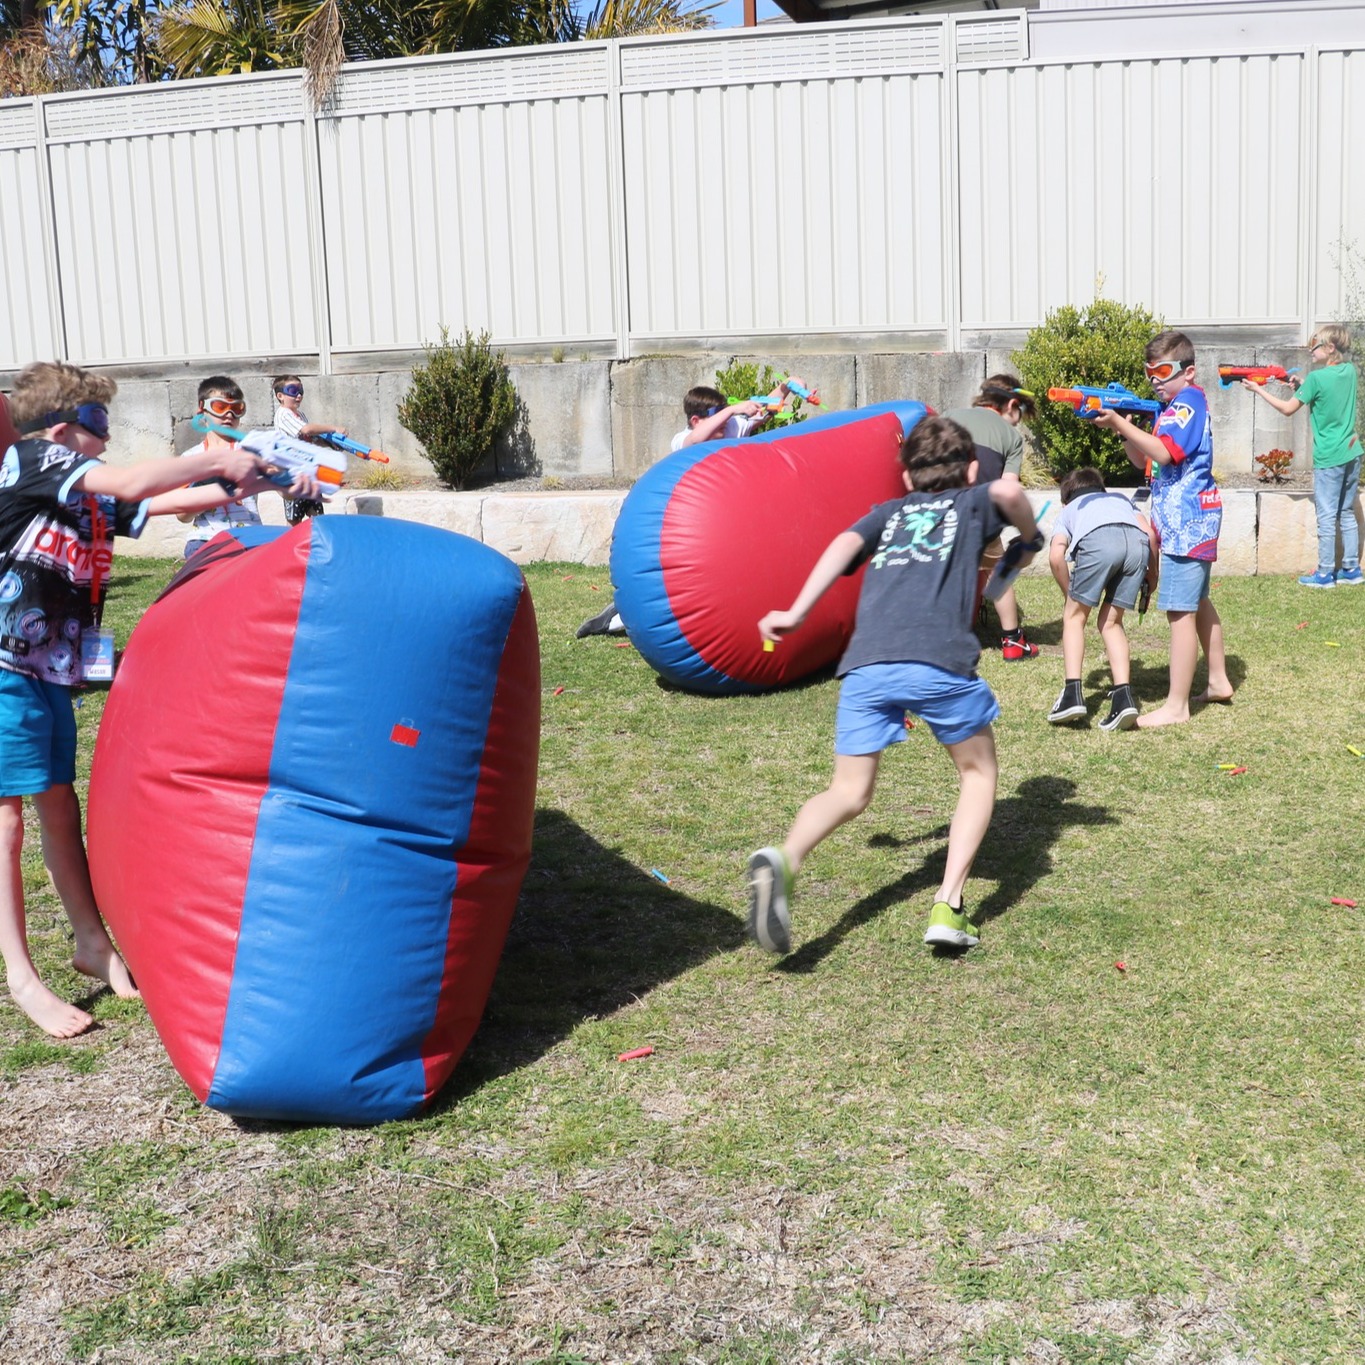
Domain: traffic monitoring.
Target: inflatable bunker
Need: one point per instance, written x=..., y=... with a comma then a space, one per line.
x=310, y=811
x=716, y=535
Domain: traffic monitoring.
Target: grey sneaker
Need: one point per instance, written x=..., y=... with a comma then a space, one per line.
x=770, y=884
x=1123, y=710
x=606, y=622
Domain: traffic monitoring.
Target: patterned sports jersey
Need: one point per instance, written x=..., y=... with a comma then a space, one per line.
x=1187, y=508
x=56, y=547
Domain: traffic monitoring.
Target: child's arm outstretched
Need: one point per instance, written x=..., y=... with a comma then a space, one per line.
x=708, y=428
x=838, y=556
x=1288, y=406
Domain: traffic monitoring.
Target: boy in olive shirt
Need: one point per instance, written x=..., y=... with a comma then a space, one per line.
x=1329, y=394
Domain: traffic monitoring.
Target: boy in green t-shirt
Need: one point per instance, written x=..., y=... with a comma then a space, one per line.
x=1329, y=393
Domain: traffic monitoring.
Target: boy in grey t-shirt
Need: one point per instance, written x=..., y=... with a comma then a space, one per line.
x=1102, y=551
x=912, y=650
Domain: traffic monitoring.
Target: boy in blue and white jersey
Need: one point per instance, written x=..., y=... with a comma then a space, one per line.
x=1187, y=512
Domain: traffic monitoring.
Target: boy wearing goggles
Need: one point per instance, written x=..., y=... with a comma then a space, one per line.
x=1187, y=513
x=289, y=418
x=221, y=400
x=60, y=510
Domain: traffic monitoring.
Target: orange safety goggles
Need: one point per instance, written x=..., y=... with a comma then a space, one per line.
x=1164, y=370
x=224, y=408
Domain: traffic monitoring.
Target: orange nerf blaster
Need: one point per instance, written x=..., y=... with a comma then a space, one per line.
x=1228, y=375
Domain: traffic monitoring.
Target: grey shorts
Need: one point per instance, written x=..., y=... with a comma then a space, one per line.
x=1110, y=565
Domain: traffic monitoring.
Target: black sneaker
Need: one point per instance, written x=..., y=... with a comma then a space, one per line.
x=1070, y=705
x=1123, y=710
x=606, y=622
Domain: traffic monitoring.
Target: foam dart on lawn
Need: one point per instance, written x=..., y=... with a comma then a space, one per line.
x=635, y=1054
x=1351, y=749
x=1341, y=900
x=1236, y=772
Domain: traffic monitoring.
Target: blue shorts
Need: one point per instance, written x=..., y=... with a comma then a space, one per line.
x=874, y=699
x=1184, y=583
x=37, y=735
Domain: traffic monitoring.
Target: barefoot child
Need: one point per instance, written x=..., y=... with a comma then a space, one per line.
x=1102, y=550
x=1187, y=512
x=59, y=513
x=913, y=650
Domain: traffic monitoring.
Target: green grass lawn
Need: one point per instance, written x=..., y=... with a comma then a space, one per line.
x=862, y=1152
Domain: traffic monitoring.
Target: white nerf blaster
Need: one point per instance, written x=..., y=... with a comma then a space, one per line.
x=290, y=456
x=1009, y=566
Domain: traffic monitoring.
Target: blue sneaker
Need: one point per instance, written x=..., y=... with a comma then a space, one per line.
x=1348, y=577
x=1324, y=578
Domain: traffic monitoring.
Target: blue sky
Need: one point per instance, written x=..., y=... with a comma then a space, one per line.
x=730, y=14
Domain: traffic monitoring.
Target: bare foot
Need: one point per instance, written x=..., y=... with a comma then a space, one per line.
x=104, y=964
x=50, y=1012
x=1166, y=715
x=1209, y=697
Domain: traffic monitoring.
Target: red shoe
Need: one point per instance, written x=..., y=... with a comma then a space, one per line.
x=1017, y=647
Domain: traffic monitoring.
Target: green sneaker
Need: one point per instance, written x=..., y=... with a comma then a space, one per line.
x=949, y=928
x=770, y=886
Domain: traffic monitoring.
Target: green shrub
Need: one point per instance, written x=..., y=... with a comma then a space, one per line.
x=461, y=401
x=740, y=381
x=1095, y=346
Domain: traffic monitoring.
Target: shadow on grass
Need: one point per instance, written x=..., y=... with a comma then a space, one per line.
x=591, y=933
x=1150, y=680
x=1016, y=853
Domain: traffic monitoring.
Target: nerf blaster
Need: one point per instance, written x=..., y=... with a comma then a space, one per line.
x=804, y=394
x=1228, y=375
x=1009, y=566
x=1086, y=402
x=290, y=456
x=335, y=438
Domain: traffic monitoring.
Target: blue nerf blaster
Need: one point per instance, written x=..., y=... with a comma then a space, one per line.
x=803, y=393
x=1086, y=402
x=291, y=457
x=335, y=438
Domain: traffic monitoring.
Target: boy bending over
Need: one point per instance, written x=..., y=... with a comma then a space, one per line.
x=913, y=650
x=60, y=510
x=1103, y=549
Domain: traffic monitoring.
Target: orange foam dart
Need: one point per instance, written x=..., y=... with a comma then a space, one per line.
x=1341, y=900
x=1236, y=772
x=1301, y=625
x=625, y=644
x=1121, y=966
x=635, y=1055
x=559, y=691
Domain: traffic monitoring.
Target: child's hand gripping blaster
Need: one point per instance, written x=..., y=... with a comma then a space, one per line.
x=1228, y=375
x=1087, y=402
x=291, y=457
x=1011, y=564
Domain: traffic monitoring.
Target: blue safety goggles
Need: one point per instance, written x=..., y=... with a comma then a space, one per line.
x=93, y=417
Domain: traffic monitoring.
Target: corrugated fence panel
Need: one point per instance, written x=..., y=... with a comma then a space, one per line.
x=487, y=209
x=1339, y=187
x=182, y=222
x=26, y=314
x=1062, y=185
x=786, y=207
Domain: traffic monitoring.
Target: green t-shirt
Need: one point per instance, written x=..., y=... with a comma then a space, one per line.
x=1330, y=395
x=989, y=429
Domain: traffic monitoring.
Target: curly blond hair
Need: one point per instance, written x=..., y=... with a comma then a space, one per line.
x=54, y=386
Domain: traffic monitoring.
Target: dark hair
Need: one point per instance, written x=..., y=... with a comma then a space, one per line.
x=1170, y=346
x=221, y=383
x=937, y=455
x=281, y=380
x=997, y=391
x=700, y=401
x=1078, y=481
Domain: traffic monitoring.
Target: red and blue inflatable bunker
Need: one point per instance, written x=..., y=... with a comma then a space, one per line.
x=716, y=535
x=310, y=811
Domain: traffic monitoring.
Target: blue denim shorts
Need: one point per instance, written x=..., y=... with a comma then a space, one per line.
x=1184, y=583
x=37, y=735
x=874, y=700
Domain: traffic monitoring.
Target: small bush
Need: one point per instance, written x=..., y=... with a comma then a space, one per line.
x=461, y=401
x=740, y=381
x=1094, y=346
x=1276, y=465
x=380, y=478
